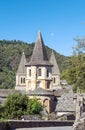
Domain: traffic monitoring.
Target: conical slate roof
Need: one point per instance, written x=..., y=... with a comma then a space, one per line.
x=39, y=56
x=55, y=68
x=22, y=68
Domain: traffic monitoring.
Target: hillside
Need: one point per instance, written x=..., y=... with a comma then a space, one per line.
x=10, y=54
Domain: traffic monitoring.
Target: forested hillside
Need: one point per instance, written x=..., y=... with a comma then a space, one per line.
x=10, y=54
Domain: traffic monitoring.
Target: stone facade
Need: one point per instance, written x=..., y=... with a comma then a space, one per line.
x=79, y=106
x=39, y=73
x=21, y=75
x=55, y=72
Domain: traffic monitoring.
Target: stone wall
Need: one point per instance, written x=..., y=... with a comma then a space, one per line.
x=11, y=125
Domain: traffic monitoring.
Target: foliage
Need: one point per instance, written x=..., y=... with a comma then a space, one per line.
x=17, y=105
x=75, y=73
x=10, y=54
x=80, y=48
x=34, y=106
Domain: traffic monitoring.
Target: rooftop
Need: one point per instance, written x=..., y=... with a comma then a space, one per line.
x=55, y=68
x=39, y=56
x=22, y=68
x=65, y=102
x=40, y=91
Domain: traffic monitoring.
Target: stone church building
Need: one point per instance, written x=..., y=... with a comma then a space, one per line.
x=40, y=76
x=39, y=71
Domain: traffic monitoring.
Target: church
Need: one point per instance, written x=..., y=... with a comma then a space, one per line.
x=39, y=72
x=40, y=76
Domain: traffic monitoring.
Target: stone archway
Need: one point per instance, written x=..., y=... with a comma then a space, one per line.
x=46, y=103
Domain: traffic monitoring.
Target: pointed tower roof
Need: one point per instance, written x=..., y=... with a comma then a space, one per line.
x=39, y=56
x=22, y=68
x=55, y=68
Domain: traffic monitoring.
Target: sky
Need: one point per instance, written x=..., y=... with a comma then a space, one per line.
x=60, y=21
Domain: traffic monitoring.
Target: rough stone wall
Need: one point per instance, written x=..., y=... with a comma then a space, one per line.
x=35, y=78
x=19, y=85
x=29, y=124
x=57, y=80
x=79, y=124
x=79, y=105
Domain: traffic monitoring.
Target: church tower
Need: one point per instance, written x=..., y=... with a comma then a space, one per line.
x=55, y=72
x=39, y=69
x=21, y=74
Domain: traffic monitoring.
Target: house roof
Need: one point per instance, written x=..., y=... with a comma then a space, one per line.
x=22, y=68
x=55, y=68
x=65, y=102
x=5, y=92
x=39, y=56
x=40, y=91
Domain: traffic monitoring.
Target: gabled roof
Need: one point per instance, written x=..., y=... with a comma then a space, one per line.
x=5, y=92
x=55, y=68
x=22, y=68
x=39, y=56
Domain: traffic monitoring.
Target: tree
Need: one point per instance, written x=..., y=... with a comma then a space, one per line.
x=75, y=73
x=17, y=105
x=34, y=106
x=80, y=48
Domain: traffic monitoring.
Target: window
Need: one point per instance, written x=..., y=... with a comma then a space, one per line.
x=22, y=80
x=48, y=84
x=47, y=73
x=30, y=72
x=54, y=80
x=39, y=72
x=38, y=84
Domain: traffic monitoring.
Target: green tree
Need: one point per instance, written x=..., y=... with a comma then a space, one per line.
x=15, y=106
x=34, y=106
x=75, y=73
